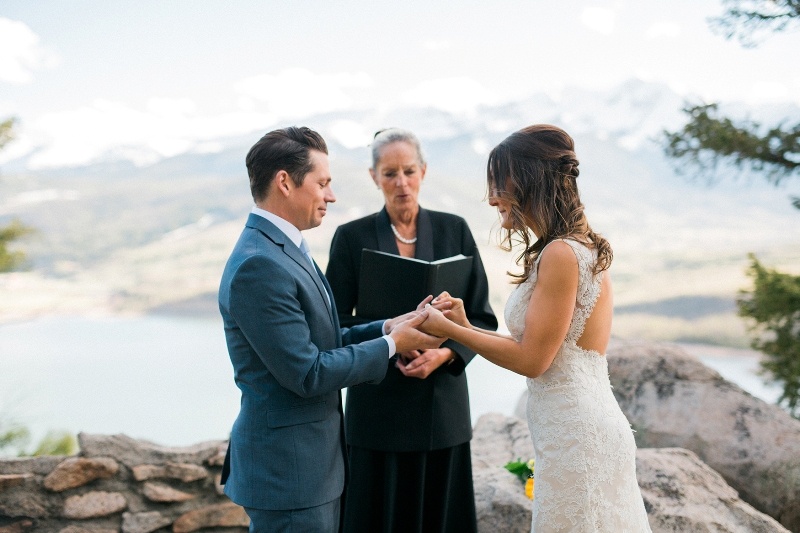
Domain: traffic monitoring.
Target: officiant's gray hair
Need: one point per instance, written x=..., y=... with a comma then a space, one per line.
x=392, y=135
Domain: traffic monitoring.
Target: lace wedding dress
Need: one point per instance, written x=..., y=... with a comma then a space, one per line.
x=584, y=448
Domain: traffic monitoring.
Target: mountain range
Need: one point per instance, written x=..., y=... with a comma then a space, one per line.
x=117, y=237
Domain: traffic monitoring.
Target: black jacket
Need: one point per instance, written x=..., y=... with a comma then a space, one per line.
x=401, y=413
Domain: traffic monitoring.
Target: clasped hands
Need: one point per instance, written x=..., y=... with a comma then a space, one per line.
x=425, y=329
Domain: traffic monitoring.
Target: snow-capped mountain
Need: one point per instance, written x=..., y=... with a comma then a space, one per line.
x=672, y=235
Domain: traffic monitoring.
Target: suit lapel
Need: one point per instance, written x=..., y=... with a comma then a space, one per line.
x=289, y=248
x=334, y=313
x=383, y=231
x=424, y=249
x=327, y=292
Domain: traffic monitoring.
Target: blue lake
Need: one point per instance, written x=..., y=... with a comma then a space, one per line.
x=169, y=379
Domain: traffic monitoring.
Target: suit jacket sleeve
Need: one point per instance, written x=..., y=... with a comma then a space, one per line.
x=277, y=327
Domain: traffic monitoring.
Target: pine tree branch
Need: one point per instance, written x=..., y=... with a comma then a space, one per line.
x=6, y=131
x=708, y=140
x=751, y=20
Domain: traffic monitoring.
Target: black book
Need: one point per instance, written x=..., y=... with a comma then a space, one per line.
x=391, y=285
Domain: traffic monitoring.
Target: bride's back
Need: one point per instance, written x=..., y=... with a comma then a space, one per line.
x=597, y=331
x=590, y=327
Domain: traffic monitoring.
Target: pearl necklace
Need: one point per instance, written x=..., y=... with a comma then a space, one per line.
x=400, y=237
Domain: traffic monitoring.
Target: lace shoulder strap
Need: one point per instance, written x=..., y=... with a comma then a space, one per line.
x=588, y=288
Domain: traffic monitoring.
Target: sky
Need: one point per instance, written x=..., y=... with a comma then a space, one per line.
x=87, y=78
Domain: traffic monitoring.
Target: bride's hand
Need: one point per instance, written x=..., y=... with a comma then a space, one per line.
x=453, y=308
x=436, y=324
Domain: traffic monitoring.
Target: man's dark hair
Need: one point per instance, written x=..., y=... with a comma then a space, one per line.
x=284, y=149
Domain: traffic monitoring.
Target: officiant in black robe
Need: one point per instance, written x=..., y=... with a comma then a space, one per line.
x=408, y=436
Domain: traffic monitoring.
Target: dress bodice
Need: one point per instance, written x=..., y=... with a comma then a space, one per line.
x=588, y=292
x=570, y=354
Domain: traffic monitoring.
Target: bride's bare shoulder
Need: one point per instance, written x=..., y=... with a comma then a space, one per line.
x=558, y=262
x=557, y=253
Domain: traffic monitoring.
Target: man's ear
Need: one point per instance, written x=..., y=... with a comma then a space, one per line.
x=284, y=183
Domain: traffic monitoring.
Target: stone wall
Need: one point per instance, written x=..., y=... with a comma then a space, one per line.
x=119, y=484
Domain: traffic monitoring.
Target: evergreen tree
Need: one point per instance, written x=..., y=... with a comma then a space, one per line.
x=6, y=132
x=10, y=260
x=774, y=309
x=15, y=229
x=752, y=20
x=708, y=140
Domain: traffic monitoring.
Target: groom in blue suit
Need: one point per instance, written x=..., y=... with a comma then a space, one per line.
x=286, y=456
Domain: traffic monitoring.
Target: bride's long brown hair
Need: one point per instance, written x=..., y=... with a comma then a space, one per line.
x=535, y=170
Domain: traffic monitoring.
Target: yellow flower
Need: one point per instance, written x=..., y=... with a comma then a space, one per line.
x=524, y=471
x=529, y=488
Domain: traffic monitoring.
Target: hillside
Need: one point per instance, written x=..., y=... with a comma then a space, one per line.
x=116, y=238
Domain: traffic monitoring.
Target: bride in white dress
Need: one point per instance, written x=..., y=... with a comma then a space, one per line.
x=559, y=317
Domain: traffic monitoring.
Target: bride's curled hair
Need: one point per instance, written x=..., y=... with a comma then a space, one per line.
x=535, y=170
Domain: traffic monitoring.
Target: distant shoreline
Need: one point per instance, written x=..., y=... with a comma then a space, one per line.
x=204, y=307
x=717, y=350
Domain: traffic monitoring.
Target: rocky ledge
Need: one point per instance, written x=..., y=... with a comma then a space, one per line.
x=711, y=458
x=672, y=400
x=680, y=492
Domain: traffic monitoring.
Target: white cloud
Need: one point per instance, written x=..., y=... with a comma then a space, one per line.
x=679, y=87
x=44, y=195
x=113, y=130
x=246, y=104
x=796, y=90
x=171, y=106
x=767, y=91
x=599, y=19
x=454, y=95
x=208, y=147
x=350, y=134
x=481, y=146
x=20, y=52
x=298, y=93
x=437, y=45
x=662, y=29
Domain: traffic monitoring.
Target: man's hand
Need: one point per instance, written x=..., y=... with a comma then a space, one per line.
x=424, y=365
x=391, y=323
x=407, y=337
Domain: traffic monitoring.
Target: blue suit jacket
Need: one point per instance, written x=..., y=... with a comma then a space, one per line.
x=286, y=448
